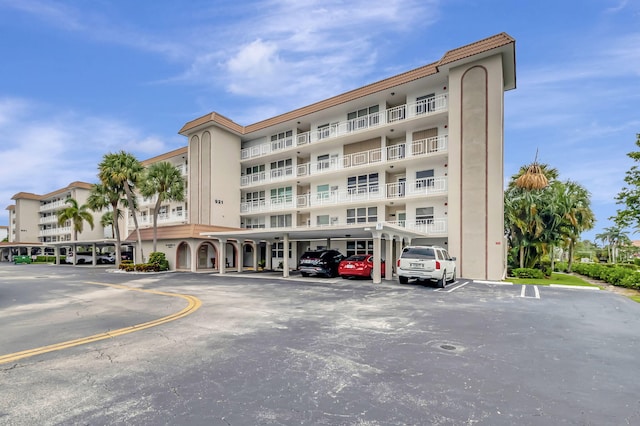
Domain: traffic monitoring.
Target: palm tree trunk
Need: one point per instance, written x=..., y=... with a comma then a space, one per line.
x=135, y=220
x=570, y=261
x=155, y=222
x=521, y=256
x=116, y=230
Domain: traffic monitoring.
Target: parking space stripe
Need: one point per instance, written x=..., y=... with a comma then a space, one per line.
x=536, y=292
x=193, y=303
x=443, y=290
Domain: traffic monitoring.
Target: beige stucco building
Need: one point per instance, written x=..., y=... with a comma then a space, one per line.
x=414, y=158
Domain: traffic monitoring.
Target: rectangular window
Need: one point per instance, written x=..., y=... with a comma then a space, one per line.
x=281, y=168
x=359, y=247
x=281, y=221
x=424, y=178
x=277, y=250
x=362, y=215
x=363, y=118
x=254, y=222
x=281, y=195
x=255, y=196
x=322, y=220
x=424, y=215
x=425, y=104
x=282, y=140
x=362, y=184
x=326, y=161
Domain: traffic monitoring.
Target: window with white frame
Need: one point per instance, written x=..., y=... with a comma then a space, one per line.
x=425, y=104
x=255, y=173
x=362, y=215
x=255, y=197
x=277, y=250
x=322, y=220
x=322, y=192
x=362, y=184
x=359, y=247
x=282, y=140
x=163, y=212
x=424, y=178
x=281, y=195
x=254, y=222
x=280, y=221
x=424, y=215
x=363, y=118
x=281, y=168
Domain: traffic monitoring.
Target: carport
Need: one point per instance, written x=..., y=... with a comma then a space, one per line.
x=391, y=234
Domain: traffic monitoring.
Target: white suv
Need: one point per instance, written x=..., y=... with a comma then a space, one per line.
x=431, y=263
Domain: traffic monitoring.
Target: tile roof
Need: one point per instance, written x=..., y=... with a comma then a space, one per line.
x=178, y=232
x=451, y=56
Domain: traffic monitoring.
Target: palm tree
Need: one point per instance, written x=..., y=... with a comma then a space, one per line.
x=122, y=172
x=104, y=197
x=77, y=214
x=165, y=181
x=578, y=215
x=612, y=237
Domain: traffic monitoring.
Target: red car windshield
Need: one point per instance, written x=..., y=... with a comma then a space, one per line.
x=357, y=258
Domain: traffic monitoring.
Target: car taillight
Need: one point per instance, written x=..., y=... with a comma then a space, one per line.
x=398, y=263
x=437, y=265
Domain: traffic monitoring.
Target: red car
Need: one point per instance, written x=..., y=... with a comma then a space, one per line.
x=358, y=265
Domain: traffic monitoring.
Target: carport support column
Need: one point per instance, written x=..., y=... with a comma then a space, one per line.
x=285, y=257
x=267, y=255
x=377, y=245
x=255, y=247
x=328, y=243
x=222, y=255
x=389, y=261
x=239, y=247
x=56, y=253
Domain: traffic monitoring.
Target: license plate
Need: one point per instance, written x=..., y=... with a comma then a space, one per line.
x=417, y=265
x=349, y=266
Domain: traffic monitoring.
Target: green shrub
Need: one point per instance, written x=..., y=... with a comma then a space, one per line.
x=159, y=259
x=561, y=266
x=528, y=273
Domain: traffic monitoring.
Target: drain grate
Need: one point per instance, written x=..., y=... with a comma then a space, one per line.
x=448, y=347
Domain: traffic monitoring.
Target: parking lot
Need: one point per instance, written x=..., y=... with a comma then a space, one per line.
x=244, y=349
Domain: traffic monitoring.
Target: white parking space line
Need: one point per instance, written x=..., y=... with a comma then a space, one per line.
x=493, y=282
x=444, y=290
x=535, y=291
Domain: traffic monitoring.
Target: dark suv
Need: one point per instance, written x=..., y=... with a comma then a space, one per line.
x=320, y=262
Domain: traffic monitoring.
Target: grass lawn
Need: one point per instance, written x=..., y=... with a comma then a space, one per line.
x=564, y=279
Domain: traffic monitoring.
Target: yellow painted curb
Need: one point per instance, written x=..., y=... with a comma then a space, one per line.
x=193, y=304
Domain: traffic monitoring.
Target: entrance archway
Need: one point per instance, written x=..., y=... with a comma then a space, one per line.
x=183, y=256
x=207, y=256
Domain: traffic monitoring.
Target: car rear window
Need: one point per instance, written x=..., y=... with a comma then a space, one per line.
x=357, y=257
x=311, y=255
x=418, y=253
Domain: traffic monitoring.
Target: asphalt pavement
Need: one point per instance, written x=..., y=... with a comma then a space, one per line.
x=247, y=349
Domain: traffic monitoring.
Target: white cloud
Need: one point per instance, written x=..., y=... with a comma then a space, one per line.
x=43, y=149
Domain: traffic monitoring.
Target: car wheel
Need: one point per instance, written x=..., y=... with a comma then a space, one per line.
x=304, y=274
x=403, y=280
x=442, y=281
x=453, y=276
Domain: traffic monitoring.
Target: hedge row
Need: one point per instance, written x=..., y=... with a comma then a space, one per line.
x=157, y=263
x=618, y=275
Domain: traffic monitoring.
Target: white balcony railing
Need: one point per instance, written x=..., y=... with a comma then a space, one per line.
x=54, y=231
x=419, y=148
x=49, y=219
x=163, y=219
x=56, y=205
x=413, y=110
x=418, y=188
x=426, y=226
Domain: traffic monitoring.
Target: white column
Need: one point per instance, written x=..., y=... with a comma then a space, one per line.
x=267, y=255
x=285, y=260
x=193, y=256
x=255, y=247
x=222, y=255
x=239, y=252
x=377, y=240
x=389, y=261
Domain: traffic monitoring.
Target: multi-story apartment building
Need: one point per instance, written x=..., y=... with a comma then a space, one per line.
x=414, y=158
x=417, y=157
x=33, y=220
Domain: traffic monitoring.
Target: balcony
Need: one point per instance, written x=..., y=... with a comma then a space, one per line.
x=415, y=149
x=54, y=231
x=427, y=226
x=56, y=205
x=49, y=219
x=145, y=221
x=390, y=116
x=392, y=191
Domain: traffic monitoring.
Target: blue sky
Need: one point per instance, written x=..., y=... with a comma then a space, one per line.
x=80, y=79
